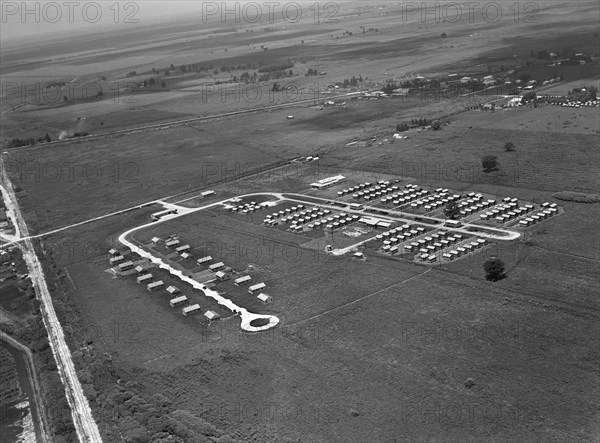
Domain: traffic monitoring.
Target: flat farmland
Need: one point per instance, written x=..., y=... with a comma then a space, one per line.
x=345, y=321
x=550, y=161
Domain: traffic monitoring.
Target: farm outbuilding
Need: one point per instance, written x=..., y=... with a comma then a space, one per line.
x=217, y=266
x=113, y=252
x=173, y=290
x=155, y=285
x=204, y=260
x=242, y=280
x=144, y=278
x=182, y=249
x=156, y=240
x=140, y=269
x=257, y=287
x=177, y=301
x=192, y=309
x=125, y=266
x=265, y=298
x=222, y=276
x=172, y=243
x=212, y=315
x=116, y=259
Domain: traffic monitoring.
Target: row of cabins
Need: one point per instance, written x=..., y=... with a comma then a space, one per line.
x=381, y=191
x=542, y=215
x=398, y=235
x=403, y=197
x=434, y=242
x=307, y=215
x=247, y=208
x=434, y=201
x=454, y=253
x=475, y=204
x=333, y=223
x=506, y=212
x=286, y=212
x=363, y=187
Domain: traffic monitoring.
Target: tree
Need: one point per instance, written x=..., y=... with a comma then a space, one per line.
x=509, y=146
x=452, y=211
x=494, y=269
x=444, y=35
x=436, y=125
x=528, y=96
x=490, y=163
x=48, y=139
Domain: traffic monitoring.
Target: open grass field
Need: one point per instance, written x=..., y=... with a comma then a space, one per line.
x=378, y=350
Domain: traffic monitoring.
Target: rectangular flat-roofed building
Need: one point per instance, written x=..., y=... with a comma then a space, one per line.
x=193, y=309
x=178, y=301
x=327, y=182
x=154, y=285
x=182, y=249
x=257, y=287
x=144, y=278
x=172, y=290
x=242, y=280
x=204, y=260
x=217, y=266
x=116, y=259
x=125, y=266
x=172, y=243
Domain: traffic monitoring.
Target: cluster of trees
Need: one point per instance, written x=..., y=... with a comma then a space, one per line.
x=583, y=94
x=494, y=269
x=33, y=334
x=452, y=211
x=274, y=75
x=148, y=82
x=312, y=72
x=414, y=123
x=16, y=142
x=131, y=74
x=528, y=96
x=246, y=77
x=276, y=68
x=351, y=82
x=489, y=163
x=390, y=87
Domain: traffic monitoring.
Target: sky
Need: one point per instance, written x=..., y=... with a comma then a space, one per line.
x=36, y=20
x=31, y=20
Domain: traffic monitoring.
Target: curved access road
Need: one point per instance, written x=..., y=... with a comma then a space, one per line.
x=246, y=316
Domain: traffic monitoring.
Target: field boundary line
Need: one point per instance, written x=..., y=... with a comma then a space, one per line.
x=357, y=300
